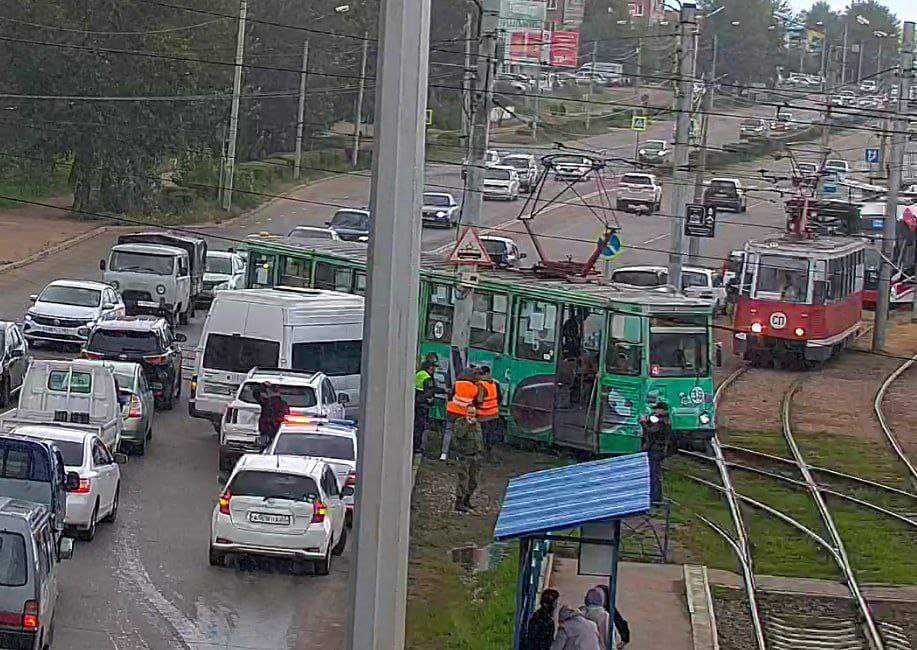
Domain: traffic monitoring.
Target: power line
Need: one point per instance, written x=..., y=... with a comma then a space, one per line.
x=164, y=30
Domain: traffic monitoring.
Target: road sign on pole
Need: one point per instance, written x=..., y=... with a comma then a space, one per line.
x=638, y=122
x=469, y=249
x=612, y=249
x=700, y=220
x=872, y=156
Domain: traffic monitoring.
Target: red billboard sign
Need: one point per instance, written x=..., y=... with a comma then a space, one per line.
x=525, y=46
x=564, y=49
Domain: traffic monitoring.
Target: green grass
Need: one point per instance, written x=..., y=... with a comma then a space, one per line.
x=33, y=184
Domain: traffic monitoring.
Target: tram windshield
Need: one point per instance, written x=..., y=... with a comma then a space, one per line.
x=678, y=352
x=787, y=277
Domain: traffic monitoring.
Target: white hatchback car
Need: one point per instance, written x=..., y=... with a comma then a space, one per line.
x=335, y=443
x=280, y=506
x=96, y=499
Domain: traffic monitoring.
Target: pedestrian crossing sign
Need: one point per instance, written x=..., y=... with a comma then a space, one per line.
x=638, y=122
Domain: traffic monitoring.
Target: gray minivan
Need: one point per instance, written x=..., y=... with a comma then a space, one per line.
x=29, y=556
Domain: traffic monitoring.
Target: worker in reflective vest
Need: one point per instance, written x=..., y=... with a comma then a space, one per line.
x=489, y=411
x=424, y=392
x=466, y=393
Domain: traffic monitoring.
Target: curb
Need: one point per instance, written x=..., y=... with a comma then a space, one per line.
x=56, y=248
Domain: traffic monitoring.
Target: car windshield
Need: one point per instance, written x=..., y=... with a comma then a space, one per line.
x=311, y=233
x=639, y=278
x=517, y=162
x=678, y=353
x=754, y=124
x=314, y=444
x=636, y=179
x=350, y=219
x=239, y=353
x=13, y=560
x=296, y=397
x=497, y=175
x=438, y=200
x=142, y=263
x=117, y=341
x=71, y=451
x=836, y=164
x=786, y=276
x=693, y=279
x=218, y=264
x=494, y=248
x=277, y=485
x=654, y=145
x=78, y=296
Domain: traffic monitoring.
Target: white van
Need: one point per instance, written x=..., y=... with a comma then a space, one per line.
x=283, y=327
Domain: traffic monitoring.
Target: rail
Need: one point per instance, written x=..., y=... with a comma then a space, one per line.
x=877, y=407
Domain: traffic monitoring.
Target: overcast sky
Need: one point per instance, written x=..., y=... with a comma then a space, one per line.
x=904, y=9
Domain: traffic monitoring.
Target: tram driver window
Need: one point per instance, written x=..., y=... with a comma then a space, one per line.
x=333, y=278
x=439, y=314
x=295, y=272
x=787, y=277
x=537, y=332
x=677, y=351
x=488, y=321
x=261, y=271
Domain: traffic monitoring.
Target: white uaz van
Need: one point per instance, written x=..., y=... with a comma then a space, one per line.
x=283, y=327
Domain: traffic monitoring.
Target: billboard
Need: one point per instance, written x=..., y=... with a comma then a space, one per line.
x=564, y=52
x=523, y=21
x=524, y=46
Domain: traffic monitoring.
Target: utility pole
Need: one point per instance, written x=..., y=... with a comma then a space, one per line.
x=591, y=83
x=844, y=53
x=234, y=109
x=639, y=65
x=680, y=178
x=706, y=108
x=378, y=573
x=478, y=141
x=466, y=80
x=301, y=111
x=896, y=161
x=860, y=62
x=541, y=48
x=358, y=117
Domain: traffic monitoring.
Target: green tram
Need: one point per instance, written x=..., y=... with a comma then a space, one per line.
x=578, y=363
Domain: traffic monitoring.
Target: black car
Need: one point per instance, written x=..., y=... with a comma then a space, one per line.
x=351, y=224
x=13, y=360
x=146, y=340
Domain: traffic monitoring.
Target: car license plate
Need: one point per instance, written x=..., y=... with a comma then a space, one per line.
x=268, y=518
x=57, y=330
x=147, y=303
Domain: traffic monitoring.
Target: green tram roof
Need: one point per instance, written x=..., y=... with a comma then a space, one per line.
x=522, y=281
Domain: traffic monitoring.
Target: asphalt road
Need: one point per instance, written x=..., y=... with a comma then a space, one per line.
x=144, y=582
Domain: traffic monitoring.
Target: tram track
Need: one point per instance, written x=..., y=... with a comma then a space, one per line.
x=883, y=422
x=773, y=632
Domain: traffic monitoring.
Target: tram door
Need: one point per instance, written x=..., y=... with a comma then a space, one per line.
x=577, y=377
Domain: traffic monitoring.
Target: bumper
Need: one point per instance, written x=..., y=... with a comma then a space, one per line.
x=236, y=448
x=17, y=639
x=148, y=307
x=132, y=431
x=431, y=218
x=208, y=407
x=726, y=204
x=34, y=333
x=497, y=193
x=627, y=201
x=310, y=545
x=269, y=551
x=79, y=509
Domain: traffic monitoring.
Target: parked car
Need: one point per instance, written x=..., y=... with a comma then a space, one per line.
x=137, y=407
x=840, y=168
x=654, y=152
x=868, y=86
x=29, y=574
x=306, y=393
x=14, y=360
x=491, y=158
x=152, y=279
x=525, y=167
x=280, y=506
x=65, y=310
x=503, y=251
x=148, y=341
x=726, y=193
x=572, y=168
x=696, y=281
x=639, y=190
x=313, y=232
x=96, y=497
x=806, y=172
x=783, y=123
x=501, y=182
x=224, y=270
x=335, y=443
x=351, y=224
x=753, y=127
x=440, y=209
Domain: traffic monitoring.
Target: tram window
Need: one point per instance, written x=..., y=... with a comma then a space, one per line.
x=488, y=321
x=677, y=353
x=439, y=313
x=295, y=272
x=537, y=332
x=820, y=283
x=333, y=277
x=359, y=283
x=786, y=276
x=625, y=350
x=262, y=271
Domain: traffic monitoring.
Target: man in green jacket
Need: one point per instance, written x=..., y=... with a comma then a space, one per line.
x=468, y=446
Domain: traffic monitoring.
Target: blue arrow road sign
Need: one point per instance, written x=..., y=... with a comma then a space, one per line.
x=612, y=249
x=872, y=156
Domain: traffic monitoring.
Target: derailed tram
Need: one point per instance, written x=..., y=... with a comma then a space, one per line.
x=800, y=299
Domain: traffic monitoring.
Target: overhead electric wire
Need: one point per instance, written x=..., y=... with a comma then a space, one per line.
x=151, y=32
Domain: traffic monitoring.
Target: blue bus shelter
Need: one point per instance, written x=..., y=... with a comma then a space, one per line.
x=538, y=507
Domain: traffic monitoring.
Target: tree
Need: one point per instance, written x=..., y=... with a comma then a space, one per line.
x=749, y=39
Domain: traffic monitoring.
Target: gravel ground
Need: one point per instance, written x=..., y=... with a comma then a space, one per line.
x=733, y=622
x=752, y=403
x=899, y=411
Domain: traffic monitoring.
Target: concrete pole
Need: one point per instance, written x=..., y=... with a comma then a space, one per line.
x=591, y=84
x=466, y=80
x=358, y=117
x=694, y=243
x=844, y=53
x=639, y=66
x=378, y=574
x=541, y=48
x=681, y=192
x=473, y=195
x=234, y=109
x=301, y=111
x=860, y=63
x=896, y=161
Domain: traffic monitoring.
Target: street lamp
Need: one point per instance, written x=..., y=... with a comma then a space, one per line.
x=881, y=36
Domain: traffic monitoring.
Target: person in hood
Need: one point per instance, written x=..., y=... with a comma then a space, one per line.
x=273, y=410
x=622, y=628
x=576, y=632
x=594, y=610
x=539, y=633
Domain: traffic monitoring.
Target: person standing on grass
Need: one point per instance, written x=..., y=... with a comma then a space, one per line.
x=469, y=445
x=539, y=633
x=658, y=442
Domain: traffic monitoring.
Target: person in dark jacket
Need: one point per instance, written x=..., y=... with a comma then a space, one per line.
x=539, y=634
x=273, y=410
x=658, y=442
x=620, y=622
x=424, y=393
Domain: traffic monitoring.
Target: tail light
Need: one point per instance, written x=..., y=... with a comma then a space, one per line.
x=86, y=354
x=224, y=502
x=30, y=615
x=85, y=486
x=351, y=479
x=193, y=385
x=318, y=512
x=156, y=359
x=136, y=407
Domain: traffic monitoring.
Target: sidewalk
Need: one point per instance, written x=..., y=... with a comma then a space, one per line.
x=650, y=596
x=29, y=229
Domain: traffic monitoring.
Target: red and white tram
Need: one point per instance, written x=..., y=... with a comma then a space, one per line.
x=800, y=299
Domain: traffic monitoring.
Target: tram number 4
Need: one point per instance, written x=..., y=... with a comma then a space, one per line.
x=778, y=320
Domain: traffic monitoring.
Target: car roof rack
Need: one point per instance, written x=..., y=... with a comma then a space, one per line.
x=284, y=371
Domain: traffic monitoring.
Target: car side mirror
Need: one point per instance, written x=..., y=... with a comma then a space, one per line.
x=65, y=548
x=33, y=297
x=522, y=256
x=178, y=336
x=327, y=223
x=108, y=305
x=120, y=458
x=348, y=491
x=343, y=398
x=72, y=482
x=101, y=265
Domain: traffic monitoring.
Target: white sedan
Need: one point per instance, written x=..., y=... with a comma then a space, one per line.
x=96, y=498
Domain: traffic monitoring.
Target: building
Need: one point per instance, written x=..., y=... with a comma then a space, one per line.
x=651, y=11
x=564, y=15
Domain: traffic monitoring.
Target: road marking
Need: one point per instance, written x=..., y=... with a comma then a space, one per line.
x=657, y=238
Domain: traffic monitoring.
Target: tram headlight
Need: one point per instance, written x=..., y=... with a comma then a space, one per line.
x=704, y=418
x=799, y=331
x=757, y=328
